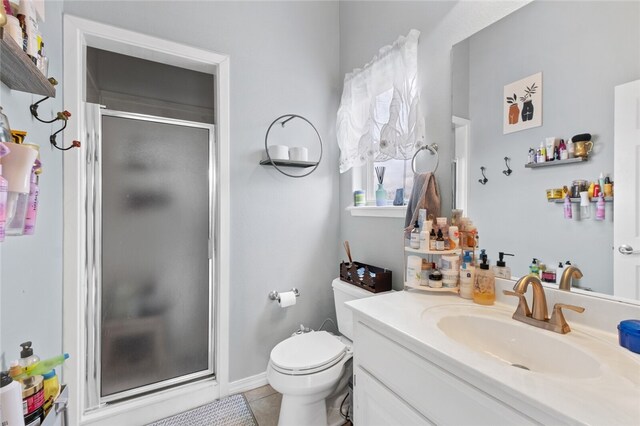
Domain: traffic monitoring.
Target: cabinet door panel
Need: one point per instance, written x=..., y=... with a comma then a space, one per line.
x=376, y=405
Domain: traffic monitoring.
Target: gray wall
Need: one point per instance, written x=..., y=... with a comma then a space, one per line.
x=284, y=231
x=31, y=266
x=583, y=50
x=364, y=28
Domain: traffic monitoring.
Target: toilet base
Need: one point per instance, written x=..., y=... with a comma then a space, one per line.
x=296, y=411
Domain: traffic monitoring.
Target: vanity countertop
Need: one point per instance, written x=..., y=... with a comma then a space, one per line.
x=609, y=395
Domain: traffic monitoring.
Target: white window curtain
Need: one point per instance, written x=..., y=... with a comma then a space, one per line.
x=379, y=116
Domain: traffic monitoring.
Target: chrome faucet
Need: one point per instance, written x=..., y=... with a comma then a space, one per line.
x=569, y=273
x=538, y=316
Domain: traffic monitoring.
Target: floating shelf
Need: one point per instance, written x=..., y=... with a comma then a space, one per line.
x=556, y=162
x=290, y=163
x=18, y=72
x=577, y=200
x=412, y=250
x=431, y=289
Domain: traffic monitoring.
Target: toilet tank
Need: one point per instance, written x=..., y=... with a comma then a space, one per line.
x=345, y=292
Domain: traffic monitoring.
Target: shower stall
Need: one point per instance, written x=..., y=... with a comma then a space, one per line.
x=150, y=232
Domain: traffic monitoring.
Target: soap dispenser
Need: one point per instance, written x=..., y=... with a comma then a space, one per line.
x=501, y=270
x=484, y=287
x=27, y=358
x=534, y=267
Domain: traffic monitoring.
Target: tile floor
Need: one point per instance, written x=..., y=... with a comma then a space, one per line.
x=265, y=405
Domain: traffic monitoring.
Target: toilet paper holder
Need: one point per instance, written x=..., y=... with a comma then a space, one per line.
x=274, y=295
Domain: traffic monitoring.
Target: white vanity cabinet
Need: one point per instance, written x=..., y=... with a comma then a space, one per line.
x=394, y=385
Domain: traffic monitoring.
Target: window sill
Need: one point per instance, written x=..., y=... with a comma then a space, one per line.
x=378, y=211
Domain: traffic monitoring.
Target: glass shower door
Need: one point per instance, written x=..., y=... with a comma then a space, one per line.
x=154, y=269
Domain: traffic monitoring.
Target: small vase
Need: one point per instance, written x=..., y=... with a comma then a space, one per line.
x=381, y=196
x=527, y=110
x=514, y=112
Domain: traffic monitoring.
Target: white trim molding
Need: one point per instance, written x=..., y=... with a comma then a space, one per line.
x=248, y=383
x=78, y=35
x=378, y=211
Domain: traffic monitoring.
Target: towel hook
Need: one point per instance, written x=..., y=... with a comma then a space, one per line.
x=508, y=171
x=484, y=179
x=433, y=148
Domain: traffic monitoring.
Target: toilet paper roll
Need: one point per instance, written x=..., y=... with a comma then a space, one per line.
x=287, y=298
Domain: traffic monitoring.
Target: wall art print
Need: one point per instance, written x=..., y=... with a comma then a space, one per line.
x=522, y=104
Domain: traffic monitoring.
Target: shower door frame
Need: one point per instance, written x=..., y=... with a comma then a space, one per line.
x=78, y=35
x=93, y=326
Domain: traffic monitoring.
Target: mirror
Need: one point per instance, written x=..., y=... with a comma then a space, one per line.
x=583, y=51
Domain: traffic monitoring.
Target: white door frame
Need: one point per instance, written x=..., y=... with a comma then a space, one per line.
x=461, y=140
x=78, y=35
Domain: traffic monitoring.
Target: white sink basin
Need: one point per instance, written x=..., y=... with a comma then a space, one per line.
x=493, y=333
x=523, y=347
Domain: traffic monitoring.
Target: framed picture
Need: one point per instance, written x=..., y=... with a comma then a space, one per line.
x=522, y=104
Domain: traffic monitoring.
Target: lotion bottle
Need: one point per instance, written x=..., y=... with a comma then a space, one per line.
x=484, y=287
x=10, y=401
x=424, y=237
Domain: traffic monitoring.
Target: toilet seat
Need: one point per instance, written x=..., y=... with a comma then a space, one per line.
x=307, y=353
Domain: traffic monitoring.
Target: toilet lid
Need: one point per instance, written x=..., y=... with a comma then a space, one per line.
x=307, y=353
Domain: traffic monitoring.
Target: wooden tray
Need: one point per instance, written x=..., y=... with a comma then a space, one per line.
x=375, y=284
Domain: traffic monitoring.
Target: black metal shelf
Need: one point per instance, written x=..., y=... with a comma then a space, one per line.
x=289, y=163
x=577, y=200
x=556, y=162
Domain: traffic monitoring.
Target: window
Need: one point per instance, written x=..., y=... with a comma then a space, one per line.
x=379, y=120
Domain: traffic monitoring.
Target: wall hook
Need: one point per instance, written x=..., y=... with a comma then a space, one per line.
x=508, y=171
x=484, y=179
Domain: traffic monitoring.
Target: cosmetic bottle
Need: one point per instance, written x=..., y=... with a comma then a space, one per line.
x=439, y=241
x=4, y=188
x=454, y=237
x=415, y=236
x=32, y=206
x=585, y=205
x=484, y=287
x=424, y=237
x=601, y=181
x=600, y=207
x=501, y=270
x=531, y=158
x=562, y=148
x=543, y=152
x=568, y=209
x=10, y=401
x=550, y=148
x=432, y=239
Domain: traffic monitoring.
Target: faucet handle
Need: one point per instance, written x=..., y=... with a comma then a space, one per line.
x=523, y=307
x=557, y=318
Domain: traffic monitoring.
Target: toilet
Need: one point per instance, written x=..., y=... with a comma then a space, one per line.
x=308, y=368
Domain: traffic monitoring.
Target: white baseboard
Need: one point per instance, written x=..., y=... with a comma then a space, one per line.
x=248, y=383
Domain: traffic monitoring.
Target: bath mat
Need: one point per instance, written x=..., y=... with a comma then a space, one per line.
x=230, y=411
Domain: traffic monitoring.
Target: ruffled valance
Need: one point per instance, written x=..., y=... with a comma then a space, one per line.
x=379, y=116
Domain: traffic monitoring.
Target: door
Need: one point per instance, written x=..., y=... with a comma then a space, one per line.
x=151, y=223
x=626, y=215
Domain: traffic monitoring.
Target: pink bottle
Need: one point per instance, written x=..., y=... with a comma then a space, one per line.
x=4, y=188
x=32, y=206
